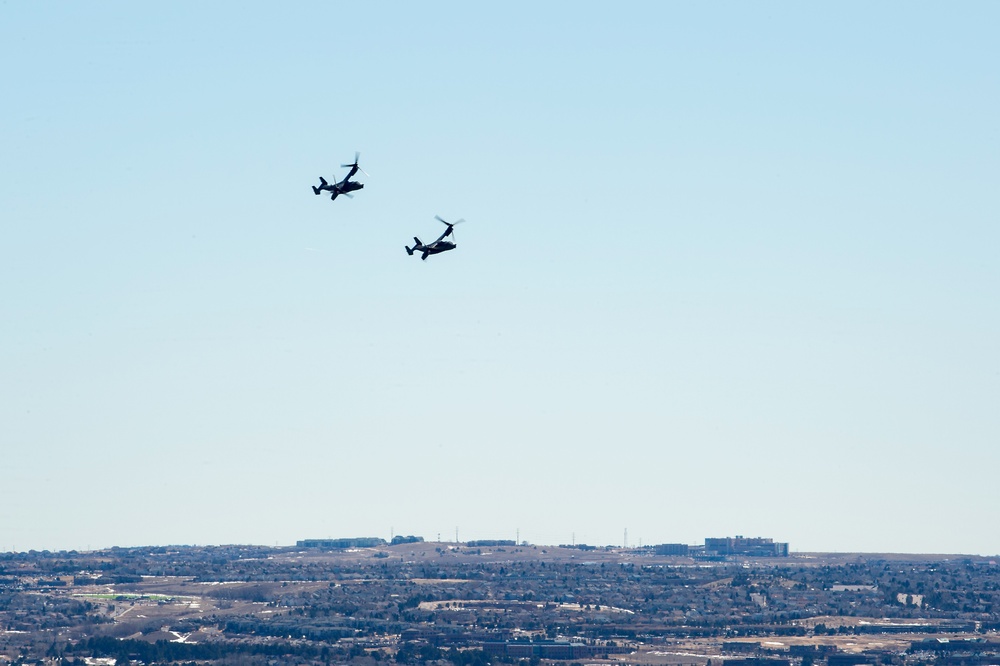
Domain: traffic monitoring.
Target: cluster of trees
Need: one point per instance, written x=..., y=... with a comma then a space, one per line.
x=399, y=540
x=126, y=651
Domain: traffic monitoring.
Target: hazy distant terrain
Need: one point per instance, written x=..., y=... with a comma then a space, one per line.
x=427, y=601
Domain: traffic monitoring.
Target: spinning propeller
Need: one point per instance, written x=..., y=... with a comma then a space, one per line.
x=357, y=156
x=450, y=225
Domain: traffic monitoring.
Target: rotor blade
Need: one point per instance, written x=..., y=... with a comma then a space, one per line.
x=438, y=218
x=346, y=194
x=357, y=156
x=458, y=221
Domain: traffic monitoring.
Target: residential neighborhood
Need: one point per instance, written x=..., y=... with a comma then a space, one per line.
x=333, y=601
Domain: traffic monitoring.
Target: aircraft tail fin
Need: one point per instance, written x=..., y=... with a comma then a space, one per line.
x=322, y=181
x=417, y=241
x=315, y=190
x=409, y=250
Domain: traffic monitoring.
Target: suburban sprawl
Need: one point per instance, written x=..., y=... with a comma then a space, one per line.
x=729, y=602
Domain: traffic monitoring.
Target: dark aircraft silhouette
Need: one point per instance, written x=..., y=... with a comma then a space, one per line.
x=438, y=246
x=345, y=186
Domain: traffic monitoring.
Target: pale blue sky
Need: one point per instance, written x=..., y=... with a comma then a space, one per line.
x=729, y=269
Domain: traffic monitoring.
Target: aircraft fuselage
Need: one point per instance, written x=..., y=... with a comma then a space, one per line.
x=439, y=246
x=341, y=188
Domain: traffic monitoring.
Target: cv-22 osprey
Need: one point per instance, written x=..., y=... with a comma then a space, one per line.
x=345, y=186
x=438, y=246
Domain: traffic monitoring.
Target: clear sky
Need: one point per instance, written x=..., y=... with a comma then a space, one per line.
x=729, y=268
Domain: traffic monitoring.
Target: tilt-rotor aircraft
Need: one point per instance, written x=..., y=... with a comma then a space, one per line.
x=345, y=186
x=438, y=246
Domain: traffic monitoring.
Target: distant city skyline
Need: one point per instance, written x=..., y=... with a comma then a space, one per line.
x=697, y=549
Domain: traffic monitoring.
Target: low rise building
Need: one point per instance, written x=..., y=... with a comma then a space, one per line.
x=739, y=545
x=335, y=544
